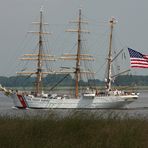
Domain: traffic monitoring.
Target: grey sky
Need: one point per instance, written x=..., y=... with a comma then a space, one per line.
x=16, y=15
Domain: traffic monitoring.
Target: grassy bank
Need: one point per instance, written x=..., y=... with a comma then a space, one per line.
x=79, y=130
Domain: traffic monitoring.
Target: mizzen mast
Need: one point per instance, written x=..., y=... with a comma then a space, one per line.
x=109, y=63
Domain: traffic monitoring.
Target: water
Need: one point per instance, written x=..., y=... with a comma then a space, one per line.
x=138, y=108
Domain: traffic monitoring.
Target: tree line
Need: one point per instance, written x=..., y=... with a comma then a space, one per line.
x=68, y=80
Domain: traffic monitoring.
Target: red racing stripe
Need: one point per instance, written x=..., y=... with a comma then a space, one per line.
x=20, y=97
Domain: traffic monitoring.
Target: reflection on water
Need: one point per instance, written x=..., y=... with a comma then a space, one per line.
x=138, y=108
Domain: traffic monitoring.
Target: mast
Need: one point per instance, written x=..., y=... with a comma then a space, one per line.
x=77, y=72
x=109, y=66
x=39, y=61
x=78, y=57
x=40, y=57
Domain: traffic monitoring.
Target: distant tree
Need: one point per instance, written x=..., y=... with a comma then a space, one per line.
x=67, y=80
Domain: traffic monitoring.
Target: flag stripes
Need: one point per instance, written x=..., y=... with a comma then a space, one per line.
x=138, y=60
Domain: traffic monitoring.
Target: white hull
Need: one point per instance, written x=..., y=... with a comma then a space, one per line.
x=83, y=102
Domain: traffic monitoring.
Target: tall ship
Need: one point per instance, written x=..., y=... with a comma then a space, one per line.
x=88, y=98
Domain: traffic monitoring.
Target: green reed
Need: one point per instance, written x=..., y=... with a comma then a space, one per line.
x=76, y=130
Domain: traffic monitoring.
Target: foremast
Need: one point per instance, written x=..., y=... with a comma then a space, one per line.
x=109, y=59
x=39, y=57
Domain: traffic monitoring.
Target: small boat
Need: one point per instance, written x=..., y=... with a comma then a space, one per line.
x=90, y=98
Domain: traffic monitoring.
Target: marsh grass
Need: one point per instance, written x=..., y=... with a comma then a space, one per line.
x=76, y=130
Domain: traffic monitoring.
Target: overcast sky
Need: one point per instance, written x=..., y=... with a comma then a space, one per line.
x=17, y=15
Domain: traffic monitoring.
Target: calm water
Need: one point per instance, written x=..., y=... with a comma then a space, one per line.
x=138, y=108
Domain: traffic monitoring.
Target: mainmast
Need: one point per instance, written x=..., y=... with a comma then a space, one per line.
x=78, y=56
x=109, y=66
x=77, y=72
x=40, y=52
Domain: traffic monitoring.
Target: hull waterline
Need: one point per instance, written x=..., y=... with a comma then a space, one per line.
x=72, y=103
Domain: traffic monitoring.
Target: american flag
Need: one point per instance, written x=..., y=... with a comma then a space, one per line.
x=138, y=60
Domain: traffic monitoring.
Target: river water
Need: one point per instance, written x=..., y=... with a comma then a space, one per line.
x=139, y=108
